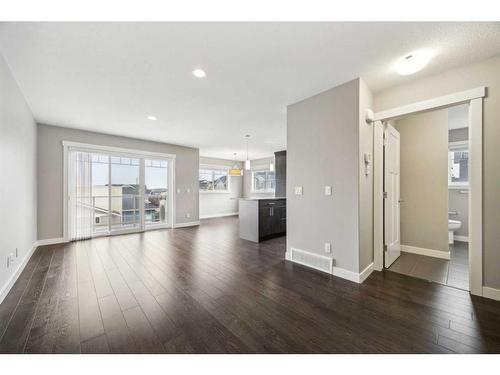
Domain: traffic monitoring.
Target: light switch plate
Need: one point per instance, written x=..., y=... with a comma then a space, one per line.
x=298, y=190
x=328, y=247
x=328, y=190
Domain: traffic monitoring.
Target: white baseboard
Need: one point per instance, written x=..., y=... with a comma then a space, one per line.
x=218, y=215
x=309, y=259
x=13, y=278
x=190, y=224
x=426, y=252
x=51, y=241
x=491, y=293
x=461, y=238
x=363, y=275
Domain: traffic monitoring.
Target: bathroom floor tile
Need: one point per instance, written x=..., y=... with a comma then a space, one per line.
x=453, y=272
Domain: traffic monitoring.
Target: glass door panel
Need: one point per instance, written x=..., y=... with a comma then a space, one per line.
x=125, y=193
x=100, y=193
x=155, y=192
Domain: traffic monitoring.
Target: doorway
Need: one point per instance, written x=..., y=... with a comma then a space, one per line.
x=114, y=191
x=386, y=246
x=426, y=203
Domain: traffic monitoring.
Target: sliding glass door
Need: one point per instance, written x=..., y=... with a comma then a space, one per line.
x=155, y=192
x=112, y=193
x=125, y=193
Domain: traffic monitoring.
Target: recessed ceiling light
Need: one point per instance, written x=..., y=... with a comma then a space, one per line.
x=152, y=118
x=413, y=62
x=198, y=73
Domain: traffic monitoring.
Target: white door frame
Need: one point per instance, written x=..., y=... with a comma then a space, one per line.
x=67, y=145
x=474, y=98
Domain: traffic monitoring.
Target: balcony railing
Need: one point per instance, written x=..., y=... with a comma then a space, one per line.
x=123, y=218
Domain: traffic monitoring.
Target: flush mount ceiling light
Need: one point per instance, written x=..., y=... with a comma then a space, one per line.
x=413, y=62
x=198, y=73
x=152, y=118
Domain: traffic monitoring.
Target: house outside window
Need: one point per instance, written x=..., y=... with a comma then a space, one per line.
x=458, y=164
x=213, y=179
x=263, y=181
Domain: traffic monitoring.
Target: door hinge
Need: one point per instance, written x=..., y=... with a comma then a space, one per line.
x=385, y=194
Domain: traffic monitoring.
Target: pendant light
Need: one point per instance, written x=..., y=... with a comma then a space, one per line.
x=236, y=171
x=247, y=161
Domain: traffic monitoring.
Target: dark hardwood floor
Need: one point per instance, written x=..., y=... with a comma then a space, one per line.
x=203, y=290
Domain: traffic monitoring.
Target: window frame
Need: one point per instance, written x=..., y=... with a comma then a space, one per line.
x=213, y=169
x=263, y=191
x=457, y=146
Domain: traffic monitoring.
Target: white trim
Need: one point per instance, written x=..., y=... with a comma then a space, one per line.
x=427, y=252
x=491, y=293
x=476, y=197
x=461, y=238
x=363, y=275
x=111, y=149
x=435, y=103
x=335, y=271
x=474, y=97
x=378, y=196
x=345, y=274
x=218, y=215
x=220, y=167
x=190, y=224
x=15, y=275
x=65, y=192
x=51, y=241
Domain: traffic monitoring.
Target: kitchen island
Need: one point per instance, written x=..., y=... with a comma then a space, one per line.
x=262, y=218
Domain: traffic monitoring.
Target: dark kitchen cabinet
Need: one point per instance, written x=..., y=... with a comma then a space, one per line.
x=280, y=168
x=272, y=218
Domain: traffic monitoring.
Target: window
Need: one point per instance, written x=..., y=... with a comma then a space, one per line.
x=214, y=180
x=458, y=164
x=263, y=181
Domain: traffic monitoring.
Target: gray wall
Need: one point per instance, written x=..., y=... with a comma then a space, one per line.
x=50, y=173
x=18, y=178
x=365, y=181
x=424, y=179
x=213, y=204
x=247, y=177
x=484, y=73
x=322, y=149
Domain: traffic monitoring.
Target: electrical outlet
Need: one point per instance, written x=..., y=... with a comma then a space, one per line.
x=328, y=190
x=188, y=215
x=298, y=190
x=10, y=259
x=328, y=247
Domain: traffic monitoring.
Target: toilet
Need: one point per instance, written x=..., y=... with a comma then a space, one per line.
x=453, y=225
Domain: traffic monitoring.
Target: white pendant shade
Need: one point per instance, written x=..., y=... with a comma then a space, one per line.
x=271, y=167
x=247, y=165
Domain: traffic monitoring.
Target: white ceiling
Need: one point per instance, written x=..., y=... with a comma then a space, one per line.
x=109, y=76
